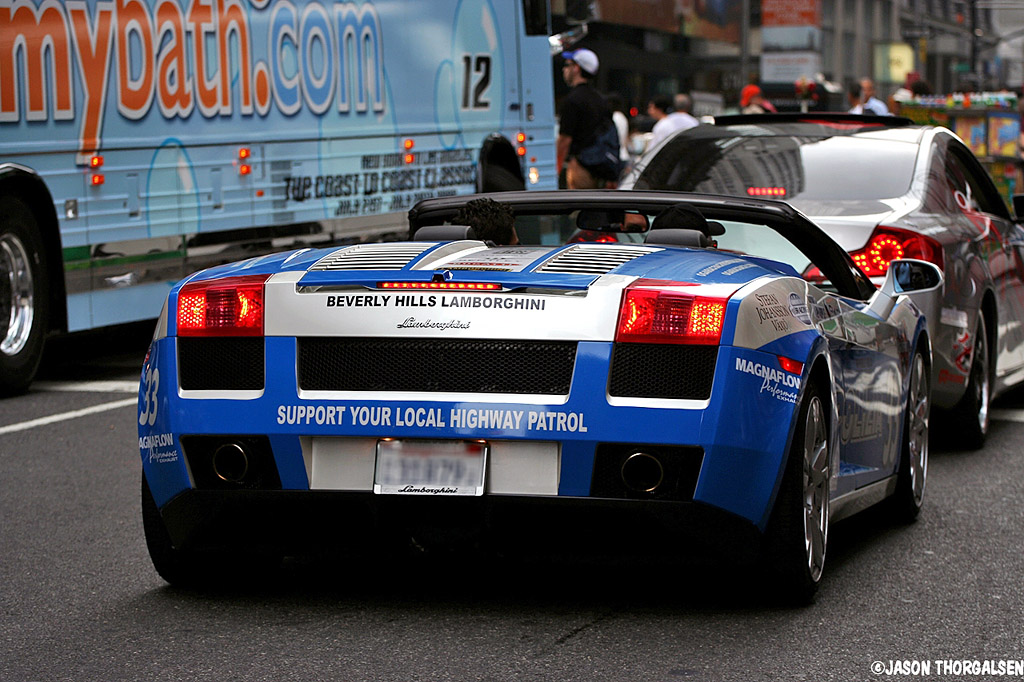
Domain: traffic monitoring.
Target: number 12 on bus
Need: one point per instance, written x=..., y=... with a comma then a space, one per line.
x=141, y=140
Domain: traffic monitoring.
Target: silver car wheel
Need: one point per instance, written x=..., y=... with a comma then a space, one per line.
x=917, y=438
x=815, y=480
x=17, y=309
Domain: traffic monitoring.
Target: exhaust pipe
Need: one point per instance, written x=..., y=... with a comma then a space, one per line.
x=231, y=463
x=642, y=472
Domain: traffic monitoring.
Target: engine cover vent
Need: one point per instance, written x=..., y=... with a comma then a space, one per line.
x=391, y=256
x=594, y=259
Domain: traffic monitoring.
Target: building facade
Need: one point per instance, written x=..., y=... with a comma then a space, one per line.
x=650, y=47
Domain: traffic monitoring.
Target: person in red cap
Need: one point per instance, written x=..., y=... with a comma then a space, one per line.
x=753, y=99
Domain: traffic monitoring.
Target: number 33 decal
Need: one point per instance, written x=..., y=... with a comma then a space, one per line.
x=152, y=383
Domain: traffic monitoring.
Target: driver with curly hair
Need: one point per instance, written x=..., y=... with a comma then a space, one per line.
x=492, y=221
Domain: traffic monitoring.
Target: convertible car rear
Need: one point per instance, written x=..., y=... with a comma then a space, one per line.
x=723, y=372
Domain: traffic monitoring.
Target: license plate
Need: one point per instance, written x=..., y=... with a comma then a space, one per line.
x=430, y=467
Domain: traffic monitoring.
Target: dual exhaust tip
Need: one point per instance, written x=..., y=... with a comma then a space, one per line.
x=231, y=462
x=642, y=472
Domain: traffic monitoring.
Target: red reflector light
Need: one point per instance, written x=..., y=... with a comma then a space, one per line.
x=652, y=313
x=766, y=191
x=96, y=161
x=463, y=286
x=98, y=179
x=222, y=307
x=791, y=366
x=889, y=243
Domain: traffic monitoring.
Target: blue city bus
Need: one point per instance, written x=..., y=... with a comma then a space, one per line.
x=141, y=140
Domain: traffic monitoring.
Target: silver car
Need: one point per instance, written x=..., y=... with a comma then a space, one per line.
x=884, y=189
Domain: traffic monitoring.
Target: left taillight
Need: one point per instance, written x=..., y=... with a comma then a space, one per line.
x=889, y=243
x=659, y=312
x=222, y=307
x=886, y=245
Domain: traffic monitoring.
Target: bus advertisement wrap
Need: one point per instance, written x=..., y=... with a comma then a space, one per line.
x=143, y=139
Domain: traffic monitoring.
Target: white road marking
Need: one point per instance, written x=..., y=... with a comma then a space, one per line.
x=64, y=416
x=1007, y=415
x=87, y=386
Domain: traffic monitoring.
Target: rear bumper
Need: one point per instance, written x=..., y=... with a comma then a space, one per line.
x=303, y=522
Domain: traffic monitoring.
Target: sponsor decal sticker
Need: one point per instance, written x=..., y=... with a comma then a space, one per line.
x=154, y=448
x=719, y=265
x=486, y=301
x=770, y=310
x=798, y=308
x=529, y=420
x=947, y=377
x=963, y=350
x=774, y=382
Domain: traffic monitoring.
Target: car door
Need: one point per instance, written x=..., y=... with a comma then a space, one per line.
x=871, y=353
x=999, y=244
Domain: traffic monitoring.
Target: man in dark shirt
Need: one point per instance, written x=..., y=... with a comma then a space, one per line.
x=492, y=221
x=584, y=113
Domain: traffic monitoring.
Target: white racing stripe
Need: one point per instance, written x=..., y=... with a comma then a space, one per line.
x=64, y=416
x=87, y=386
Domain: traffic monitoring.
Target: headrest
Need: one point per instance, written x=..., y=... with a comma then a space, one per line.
x=444, y=233
x=598, y=218
x=681, y=216
x=671, y=236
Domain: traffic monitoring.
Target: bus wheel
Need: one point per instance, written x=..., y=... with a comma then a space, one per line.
x=24, y=298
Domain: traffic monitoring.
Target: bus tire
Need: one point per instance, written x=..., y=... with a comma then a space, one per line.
x=24, y=295
x=498, y=179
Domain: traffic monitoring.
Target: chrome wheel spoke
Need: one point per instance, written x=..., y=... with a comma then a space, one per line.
x=17, y=306
x=815, y=478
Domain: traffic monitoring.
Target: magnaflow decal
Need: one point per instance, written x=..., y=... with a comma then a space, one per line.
x=775, y=382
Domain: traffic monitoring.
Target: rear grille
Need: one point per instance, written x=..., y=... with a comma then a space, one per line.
x=226, y=364
x=642, y=370
x=435, y=365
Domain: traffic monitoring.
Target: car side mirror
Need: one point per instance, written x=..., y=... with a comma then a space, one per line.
x=908, y=275
x=1018, y=207
x=905, y=276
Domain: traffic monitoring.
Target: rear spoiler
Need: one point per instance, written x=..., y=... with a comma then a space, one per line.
x=825, y=118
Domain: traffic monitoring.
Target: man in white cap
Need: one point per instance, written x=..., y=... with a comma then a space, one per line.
x=583, y=115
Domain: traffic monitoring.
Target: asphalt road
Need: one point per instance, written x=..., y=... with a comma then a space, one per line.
x=80, y=601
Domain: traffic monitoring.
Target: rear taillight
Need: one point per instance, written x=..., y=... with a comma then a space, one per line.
x=222, y=307
x=889, y=243
x=659, y=312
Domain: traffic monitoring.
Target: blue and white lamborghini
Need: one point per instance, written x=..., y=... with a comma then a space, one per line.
x=706, y=368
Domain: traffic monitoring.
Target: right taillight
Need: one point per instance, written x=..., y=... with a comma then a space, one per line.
x=889, y=243
x=657, y=312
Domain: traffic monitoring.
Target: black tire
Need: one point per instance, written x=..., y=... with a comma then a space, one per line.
x=183, y=568
x=24, y=296
x=499, y=179
x=912, y=475
x=971, y=414
x=797, y=533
